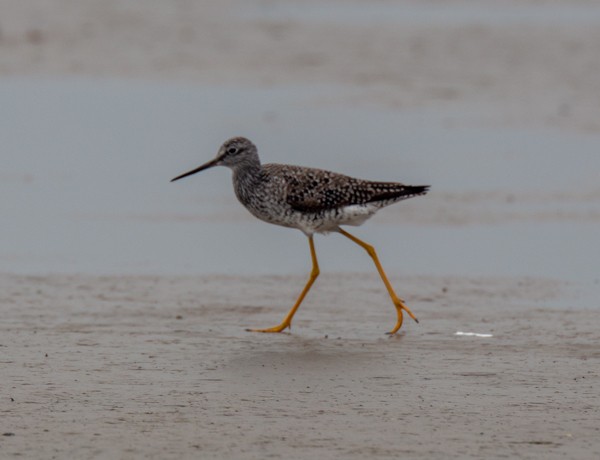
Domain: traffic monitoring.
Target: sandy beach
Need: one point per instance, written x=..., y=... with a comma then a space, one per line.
x=159, y=367
x=124, y=299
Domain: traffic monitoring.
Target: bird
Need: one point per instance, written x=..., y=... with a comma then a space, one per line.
x=314, y=201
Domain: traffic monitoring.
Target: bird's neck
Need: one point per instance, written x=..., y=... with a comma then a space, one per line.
x=247, y=171
x=245, y=179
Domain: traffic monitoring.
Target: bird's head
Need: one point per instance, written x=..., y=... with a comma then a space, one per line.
x=234, y=153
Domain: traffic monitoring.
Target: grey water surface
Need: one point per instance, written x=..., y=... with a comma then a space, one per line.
x=86, y=164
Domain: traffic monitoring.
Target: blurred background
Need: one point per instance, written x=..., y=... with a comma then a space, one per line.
x=495, y=104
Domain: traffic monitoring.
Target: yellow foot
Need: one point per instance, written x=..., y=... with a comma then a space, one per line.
x=398, y=323
x=280, y=328
x=399, y=303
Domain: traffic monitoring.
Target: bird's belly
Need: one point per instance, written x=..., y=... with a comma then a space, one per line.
x=276, y=216
x=326, y=220
x=353, y=214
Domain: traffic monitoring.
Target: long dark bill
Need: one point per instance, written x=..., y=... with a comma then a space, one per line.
x=210, y=164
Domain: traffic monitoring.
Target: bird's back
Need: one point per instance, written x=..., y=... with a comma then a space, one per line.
x=316, y=190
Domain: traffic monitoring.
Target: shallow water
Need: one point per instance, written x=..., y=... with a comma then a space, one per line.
x=86, y=164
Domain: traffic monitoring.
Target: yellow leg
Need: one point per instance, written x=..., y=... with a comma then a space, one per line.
x=287, y=322
x=398, y=302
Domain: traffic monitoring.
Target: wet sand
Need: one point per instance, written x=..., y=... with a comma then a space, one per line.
x=160, y=367
x=136, y=366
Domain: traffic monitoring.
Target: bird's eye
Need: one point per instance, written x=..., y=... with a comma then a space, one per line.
x=232, y=150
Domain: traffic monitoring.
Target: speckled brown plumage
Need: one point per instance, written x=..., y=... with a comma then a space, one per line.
x=311, y=200
x=315, y=190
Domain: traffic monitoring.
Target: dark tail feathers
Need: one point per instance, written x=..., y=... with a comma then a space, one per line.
x=401, y=192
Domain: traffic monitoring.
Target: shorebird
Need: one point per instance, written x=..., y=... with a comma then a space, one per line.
x=311, y=200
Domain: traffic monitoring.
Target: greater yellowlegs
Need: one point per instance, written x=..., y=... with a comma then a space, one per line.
x=311, y=200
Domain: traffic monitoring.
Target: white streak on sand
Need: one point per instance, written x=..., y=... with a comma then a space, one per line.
x=473, y=334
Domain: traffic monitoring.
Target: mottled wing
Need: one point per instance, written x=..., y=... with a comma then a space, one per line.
x=314, y=190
